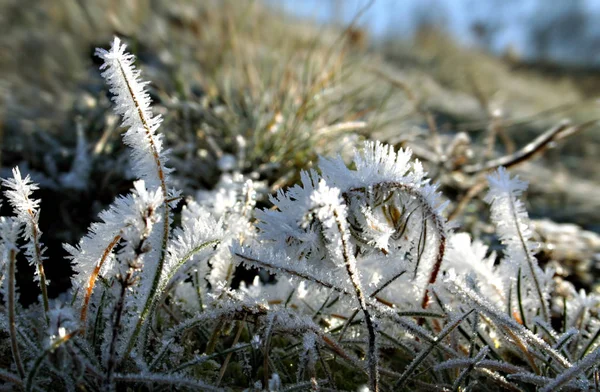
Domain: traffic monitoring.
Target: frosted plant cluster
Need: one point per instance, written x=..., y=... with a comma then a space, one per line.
x=361, y=283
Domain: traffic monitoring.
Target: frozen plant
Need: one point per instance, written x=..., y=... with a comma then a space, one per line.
x=372, y=287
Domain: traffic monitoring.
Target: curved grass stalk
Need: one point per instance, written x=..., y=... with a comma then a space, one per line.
x=163, y=286
x=429, y=212
x=92, y=281
x=175, y=269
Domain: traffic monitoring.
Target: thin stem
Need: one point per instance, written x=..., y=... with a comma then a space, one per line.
x=373, y=294
x=520, y=299
x=92, y=280
x=350, y=264
x=538, y=145
x=166, y=223
x=266, y=352
x=204, y=358
x=11, y=312
x=112, y=357
x=9, y=377
x=163, y=288
x=530, y=261
x=39, y=262
x=590, y=344
x=423, y=354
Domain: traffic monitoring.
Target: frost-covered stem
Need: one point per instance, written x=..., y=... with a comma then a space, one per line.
x=93, y=278
x=464, y=375
x=159, y=168
x=530, y=262
x=436, y=268
x=165, y=287
x=133, y=103
x=256, y=263
x=423, y=354
x=40, y=266
x=350, y=264
x=509, y=324
x=437, y=220
x=126, y=282
x=112, y=357
x=165, y=207
x=523, y=347
x=512, y=222
x=568, y=375
x=373, y=295
x=11, y=312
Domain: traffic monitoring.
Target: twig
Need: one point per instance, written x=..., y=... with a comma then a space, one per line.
x=538, y=145
x=473, y=191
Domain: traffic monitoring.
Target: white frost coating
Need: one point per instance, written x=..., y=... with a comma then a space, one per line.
x=513, y=228
x=232, y=203
x=197, y=235
x=571, y=373
x=10, y=229
x=19, y=194
x=375, y=163
x=132, y=102
x=274, y=382
x=389, y=216
x=469, y=258
x=123, y=212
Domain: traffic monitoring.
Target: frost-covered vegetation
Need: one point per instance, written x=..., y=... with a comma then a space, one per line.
x=360, y=281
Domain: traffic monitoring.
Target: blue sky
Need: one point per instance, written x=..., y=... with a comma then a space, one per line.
x=515, y=22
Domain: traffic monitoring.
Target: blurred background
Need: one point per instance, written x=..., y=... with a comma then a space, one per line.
x=259, y=89
x=561, y=32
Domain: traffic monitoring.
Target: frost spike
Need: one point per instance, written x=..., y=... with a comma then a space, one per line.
x=512, y=223
x=133, y=104
x=28, y=214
